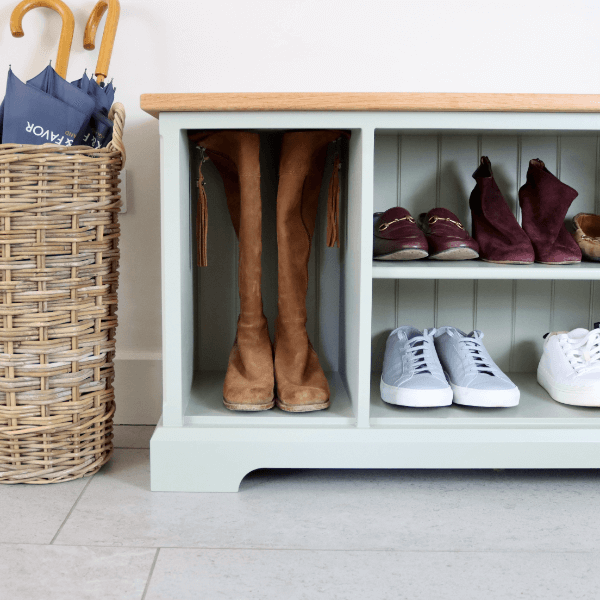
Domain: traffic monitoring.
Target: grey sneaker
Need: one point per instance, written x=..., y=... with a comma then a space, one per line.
x=412, y=374
x=474, y=377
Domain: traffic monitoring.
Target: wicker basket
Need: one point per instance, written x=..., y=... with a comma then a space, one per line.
x=59, y=256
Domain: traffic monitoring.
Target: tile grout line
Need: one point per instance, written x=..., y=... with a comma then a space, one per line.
x=274, y=549
x=292, y=549
x=150, y=574
x=71, y=511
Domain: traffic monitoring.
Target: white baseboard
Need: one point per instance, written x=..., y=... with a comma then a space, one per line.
x=138, y=388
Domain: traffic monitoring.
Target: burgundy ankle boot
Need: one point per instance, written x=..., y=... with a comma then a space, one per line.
x=500, y=238
x=544, y=201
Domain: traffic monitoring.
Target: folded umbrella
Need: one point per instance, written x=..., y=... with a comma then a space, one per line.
x=99, y=130
x=46, y=109
x=52, y=83
x=82, y=83
x=102, y=94
x=96, y=132
x=32, y=116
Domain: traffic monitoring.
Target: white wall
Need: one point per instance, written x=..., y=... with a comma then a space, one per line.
x=279, y=45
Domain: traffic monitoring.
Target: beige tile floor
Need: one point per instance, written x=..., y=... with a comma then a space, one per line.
x=303, y=535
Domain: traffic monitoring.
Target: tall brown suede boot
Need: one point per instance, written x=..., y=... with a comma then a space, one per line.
x=249, y=381
x=301, y=383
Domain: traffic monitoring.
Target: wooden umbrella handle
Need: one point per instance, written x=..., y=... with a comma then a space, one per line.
x=66, y=33
x=108, y=37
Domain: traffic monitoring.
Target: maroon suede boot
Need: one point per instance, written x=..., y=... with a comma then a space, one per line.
x=500, y=238
x=544, y=201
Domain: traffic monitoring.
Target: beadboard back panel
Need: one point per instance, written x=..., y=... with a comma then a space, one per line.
x=217, y=284
x=420, y=172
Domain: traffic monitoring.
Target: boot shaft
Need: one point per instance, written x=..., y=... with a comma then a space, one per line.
x=235, y=154
x=544, y=201
x=238, y=148
x=495, y=228
x=301, y=169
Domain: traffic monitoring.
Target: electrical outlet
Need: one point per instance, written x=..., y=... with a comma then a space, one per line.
x=123, y=191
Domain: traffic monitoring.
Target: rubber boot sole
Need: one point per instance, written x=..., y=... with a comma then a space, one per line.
x=249, y=407
x=508, y=262
x=302, y=407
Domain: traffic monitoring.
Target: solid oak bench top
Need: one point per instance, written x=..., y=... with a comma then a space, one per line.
x=154, y=104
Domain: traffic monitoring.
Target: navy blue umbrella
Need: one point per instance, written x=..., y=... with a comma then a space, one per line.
x=33, y=116
x=98, y=131
x=82, y=83
x=52, y=83
x=46, y=109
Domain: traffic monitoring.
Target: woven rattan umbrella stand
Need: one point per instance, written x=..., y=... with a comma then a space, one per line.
x=59, y=235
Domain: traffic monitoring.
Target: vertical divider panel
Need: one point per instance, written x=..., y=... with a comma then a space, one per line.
x=177, y=272
x=357, y=280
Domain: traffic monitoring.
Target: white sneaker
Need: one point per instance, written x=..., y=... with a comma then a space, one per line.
x=412, y=374
x=569, y=369
x=474, y=377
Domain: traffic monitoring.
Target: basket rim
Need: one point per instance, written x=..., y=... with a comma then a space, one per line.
x=115, y=146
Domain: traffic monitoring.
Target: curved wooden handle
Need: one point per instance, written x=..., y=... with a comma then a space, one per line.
x=108, y=37
x=66, y=33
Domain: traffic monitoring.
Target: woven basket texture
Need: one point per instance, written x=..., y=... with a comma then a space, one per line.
x=59, y=255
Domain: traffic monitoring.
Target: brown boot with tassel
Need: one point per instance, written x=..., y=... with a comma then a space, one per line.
x=249, y=381
x=301, y=383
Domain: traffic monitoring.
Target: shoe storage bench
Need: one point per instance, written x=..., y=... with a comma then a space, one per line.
x=413, y=150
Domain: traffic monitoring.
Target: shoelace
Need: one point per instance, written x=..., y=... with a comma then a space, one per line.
x=582, y=354
x=419, y=352
x=474, y=348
